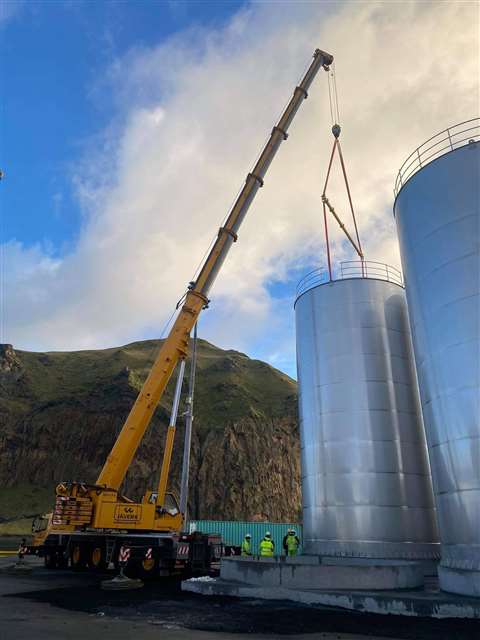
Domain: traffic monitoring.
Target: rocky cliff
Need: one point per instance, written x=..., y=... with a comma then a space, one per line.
x=60, y=414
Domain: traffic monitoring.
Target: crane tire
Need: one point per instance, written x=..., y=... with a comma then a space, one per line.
x=97, y=558
x=148, y=568
x=78, y=556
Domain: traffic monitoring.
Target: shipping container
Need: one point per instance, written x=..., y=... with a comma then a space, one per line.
x=233, y=532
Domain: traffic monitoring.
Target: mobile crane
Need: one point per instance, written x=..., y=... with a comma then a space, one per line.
x=91, y=522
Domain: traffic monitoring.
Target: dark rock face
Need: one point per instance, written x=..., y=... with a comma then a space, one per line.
x=8, y=359
x=61, y=412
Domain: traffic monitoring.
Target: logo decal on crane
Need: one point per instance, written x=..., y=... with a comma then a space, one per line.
x=128, y=513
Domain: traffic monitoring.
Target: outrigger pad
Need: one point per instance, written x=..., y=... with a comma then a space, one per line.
x=120, y=583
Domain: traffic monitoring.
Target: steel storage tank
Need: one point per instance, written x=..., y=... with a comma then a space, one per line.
x=437, y=215
x=366, y=481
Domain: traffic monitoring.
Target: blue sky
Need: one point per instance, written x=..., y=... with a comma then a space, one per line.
x=52, y=56
x=127, y=128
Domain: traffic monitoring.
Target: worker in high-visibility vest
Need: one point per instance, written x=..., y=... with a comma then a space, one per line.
x=247, y=545
x=291, y=543
x=22, y=549
x=267, y=546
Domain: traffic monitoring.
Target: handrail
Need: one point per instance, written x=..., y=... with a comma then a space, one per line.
x=368, y=269
x=454, y=137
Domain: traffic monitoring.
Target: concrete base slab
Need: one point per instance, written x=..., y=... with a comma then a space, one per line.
x=429, y=567
x=421, y=603
x=313, y=572
x=462, y=581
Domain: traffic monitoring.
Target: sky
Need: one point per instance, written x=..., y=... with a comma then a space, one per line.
x=127, y=129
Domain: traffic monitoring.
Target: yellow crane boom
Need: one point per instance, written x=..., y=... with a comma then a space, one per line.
x=176, y=344
x=89, y=523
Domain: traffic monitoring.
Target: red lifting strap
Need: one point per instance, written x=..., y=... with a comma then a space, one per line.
x=326, y=204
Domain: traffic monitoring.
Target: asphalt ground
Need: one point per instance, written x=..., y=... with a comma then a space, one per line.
x=61, y=605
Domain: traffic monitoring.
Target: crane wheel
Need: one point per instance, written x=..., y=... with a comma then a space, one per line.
x=149, y=568
x=78, y=557
x=97, y=558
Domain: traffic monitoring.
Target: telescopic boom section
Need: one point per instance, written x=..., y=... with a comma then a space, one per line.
x=176, y=344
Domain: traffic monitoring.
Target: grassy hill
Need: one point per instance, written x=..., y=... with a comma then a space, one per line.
x=61, y=411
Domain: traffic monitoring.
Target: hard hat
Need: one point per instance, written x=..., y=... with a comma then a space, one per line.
x=268, y=534
x=247, y=535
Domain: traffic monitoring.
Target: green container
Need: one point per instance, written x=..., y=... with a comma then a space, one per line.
x=233, y=532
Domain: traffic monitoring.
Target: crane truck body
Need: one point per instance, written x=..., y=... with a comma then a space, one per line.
x=90, y=522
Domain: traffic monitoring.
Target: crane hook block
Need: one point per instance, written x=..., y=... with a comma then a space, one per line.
x=336, y=130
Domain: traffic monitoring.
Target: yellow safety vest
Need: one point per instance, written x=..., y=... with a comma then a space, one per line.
x=246, y=548
x=267, y=548
x=292, y=544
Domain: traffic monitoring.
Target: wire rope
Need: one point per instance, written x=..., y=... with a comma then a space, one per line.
x=334, y=74
x=335, y=117
x=330, y=100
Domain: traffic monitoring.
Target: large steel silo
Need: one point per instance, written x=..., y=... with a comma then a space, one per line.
x=437, y=213
x=365, y=476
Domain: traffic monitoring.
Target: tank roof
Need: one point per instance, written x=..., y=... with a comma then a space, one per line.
x=438, y=145
x=350, y=269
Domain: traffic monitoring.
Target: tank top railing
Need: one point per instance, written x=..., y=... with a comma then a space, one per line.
x=312, y=279
x=371, y=269
x=461, y=134
x=351, y=269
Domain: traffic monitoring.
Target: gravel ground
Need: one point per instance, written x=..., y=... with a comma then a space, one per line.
x=162, y=605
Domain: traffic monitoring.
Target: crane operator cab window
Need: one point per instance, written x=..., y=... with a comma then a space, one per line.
x=171, y=505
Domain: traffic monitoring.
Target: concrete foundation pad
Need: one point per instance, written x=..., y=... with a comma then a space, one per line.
x=421, y=603
x=313, y=572
x=429, y=567
x=462, y=581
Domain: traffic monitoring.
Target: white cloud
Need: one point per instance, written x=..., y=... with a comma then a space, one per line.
x=193, y=113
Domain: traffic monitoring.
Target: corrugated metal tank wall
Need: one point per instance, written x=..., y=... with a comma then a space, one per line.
x=365, y=476
x=438, y=219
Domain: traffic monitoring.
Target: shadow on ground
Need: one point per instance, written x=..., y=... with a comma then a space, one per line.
x=166, y=605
